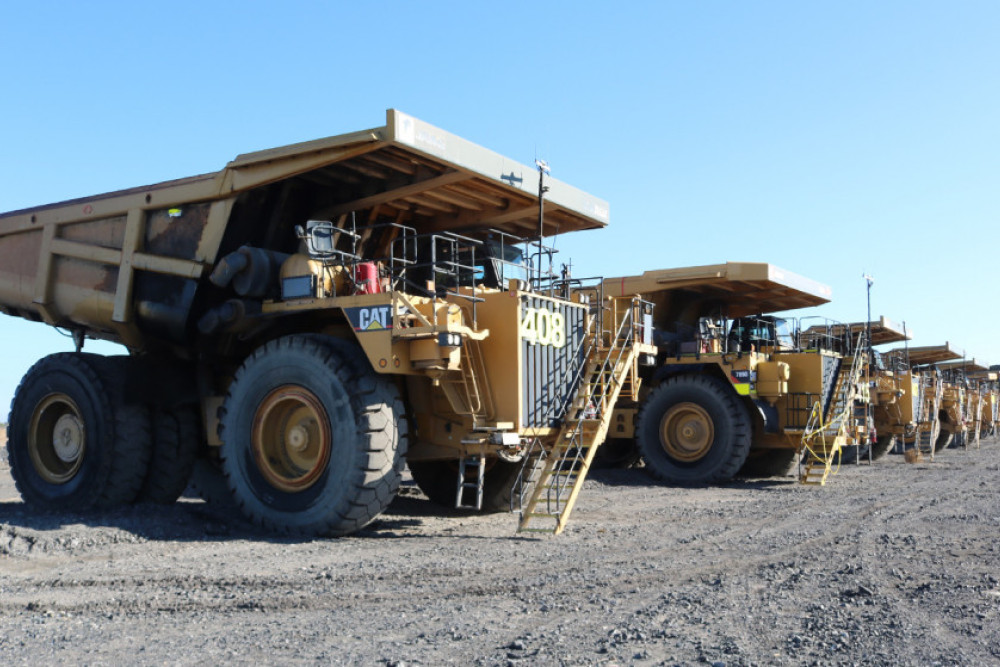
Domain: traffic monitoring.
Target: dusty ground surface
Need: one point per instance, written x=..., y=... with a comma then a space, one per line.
x=892, y=564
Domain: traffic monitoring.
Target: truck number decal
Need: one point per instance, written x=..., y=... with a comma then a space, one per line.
x=543, y=327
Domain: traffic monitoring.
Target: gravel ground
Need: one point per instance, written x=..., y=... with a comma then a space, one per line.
x=892, y=564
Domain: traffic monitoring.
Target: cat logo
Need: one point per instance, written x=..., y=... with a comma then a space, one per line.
x=374, y=318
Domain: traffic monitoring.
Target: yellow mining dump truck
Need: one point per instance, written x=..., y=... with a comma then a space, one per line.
x=931, y=410
x=984, y=405
x=734, y=388
x=310, y=318
x=969, y=396
x=989, y=381
x=891, y=388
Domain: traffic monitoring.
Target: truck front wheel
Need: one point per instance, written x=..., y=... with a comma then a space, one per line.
x=313, y=438
x=770, y=463
x=693, y=430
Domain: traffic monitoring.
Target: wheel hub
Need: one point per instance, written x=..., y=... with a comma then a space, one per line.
x=57, y=439
x=687, y=432
x=291, y=438
x=298, y=438
x=67, y=438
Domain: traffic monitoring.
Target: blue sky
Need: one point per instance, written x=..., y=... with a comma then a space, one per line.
x=829, y=138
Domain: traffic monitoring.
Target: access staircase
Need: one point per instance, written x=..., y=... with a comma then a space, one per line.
x=553, y=474
x=826, y=434
x=929, y=425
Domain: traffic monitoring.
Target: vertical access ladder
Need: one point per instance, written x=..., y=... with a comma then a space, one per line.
x=823, y=440
x=553, y=475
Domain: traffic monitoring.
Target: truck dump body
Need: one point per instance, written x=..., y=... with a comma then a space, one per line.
x=967, y=367
x=131, y=266
x=737, y=289
x=927, y=355
x=883, y=331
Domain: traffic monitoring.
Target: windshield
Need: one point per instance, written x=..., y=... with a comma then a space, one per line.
x=502, y=263
x=758, y=331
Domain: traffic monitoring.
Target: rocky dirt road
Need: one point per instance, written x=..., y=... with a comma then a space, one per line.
x=892, y=564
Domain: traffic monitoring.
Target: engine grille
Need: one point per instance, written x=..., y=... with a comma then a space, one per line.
x=551, y=374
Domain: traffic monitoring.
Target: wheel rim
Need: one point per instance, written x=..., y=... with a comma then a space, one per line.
x=57, y=439
x=687, y=432
x=291, y=438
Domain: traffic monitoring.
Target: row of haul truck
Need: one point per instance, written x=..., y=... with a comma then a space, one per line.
x=309, y=322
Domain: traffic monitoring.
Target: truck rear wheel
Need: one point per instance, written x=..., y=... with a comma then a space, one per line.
x=74, y=441
x=439, y=482
x=692, y=430
x=313, y=438
x=176, y=436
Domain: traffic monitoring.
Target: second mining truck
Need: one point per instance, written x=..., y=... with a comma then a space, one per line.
x=309, y=319
x=892, y=389
x=734, y=388
x=989, y=383
x=965, y=386
x=934, y=404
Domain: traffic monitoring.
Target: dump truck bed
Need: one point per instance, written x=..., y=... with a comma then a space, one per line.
x=967, y=366
x=928, y=354
x=883, y=331
x=737, y=289
x=130, y=265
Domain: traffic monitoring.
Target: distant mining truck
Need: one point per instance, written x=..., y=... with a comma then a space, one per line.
x=965, y=380
x=309, y=319
x=735, y=388
x=936, y=407
x=892, y=388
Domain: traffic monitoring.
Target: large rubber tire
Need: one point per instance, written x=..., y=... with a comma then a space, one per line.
x=313, y=439
x=616, y=453
x=176, y=439
x=959, y=441
x=439, y=482
x=692, y=429
x=943, y=440
x=75, y=442
x=883, y=445
x=855, y=454
x=209, y=483
x=770, y=463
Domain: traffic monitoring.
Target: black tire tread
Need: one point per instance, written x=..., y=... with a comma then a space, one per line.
x=375, y=401
x=133, y=435
x=883, y=445
x=943, y=440
x=176, y=435
x=770, y=463
x=119, y=475
x=742, y=430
